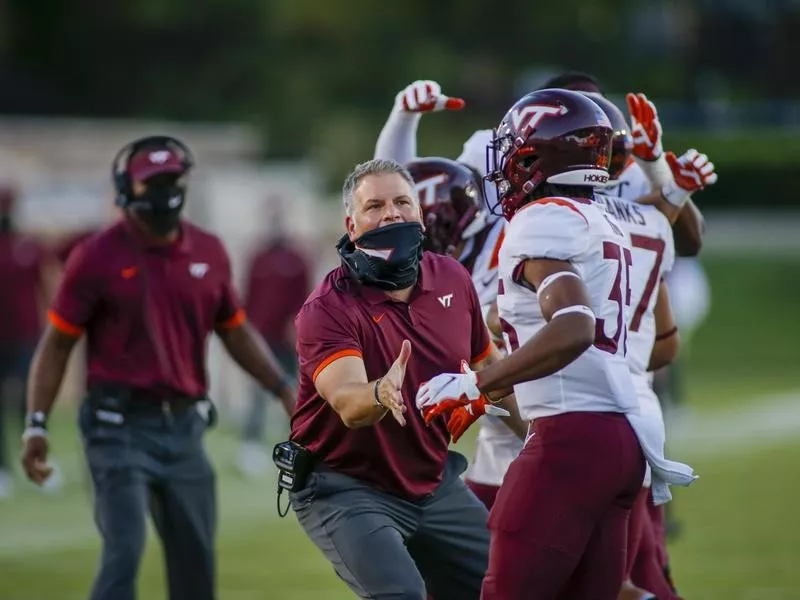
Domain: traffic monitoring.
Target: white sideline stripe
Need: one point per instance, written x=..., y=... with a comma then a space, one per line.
x=762, y=423
x=239, y=502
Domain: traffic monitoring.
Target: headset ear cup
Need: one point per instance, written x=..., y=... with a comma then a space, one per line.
x=120, y=165
x=121, y=185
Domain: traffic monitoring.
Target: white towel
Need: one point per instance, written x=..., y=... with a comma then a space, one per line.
x=650, y=432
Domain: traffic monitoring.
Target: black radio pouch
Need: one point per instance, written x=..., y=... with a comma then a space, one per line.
x=295, y=464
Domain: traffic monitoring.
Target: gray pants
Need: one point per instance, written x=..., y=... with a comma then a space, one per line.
x=385, y=547
x=154, y=461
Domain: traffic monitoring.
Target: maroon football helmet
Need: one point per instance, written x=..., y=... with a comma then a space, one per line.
x=451, y=196
x=549, y=136
x=621, y=142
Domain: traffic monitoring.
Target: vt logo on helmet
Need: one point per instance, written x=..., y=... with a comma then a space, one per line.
x=451, y=196
x=550, y=136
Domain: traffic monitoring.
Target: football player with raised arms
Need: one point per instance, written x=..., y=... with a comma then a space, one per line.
x=454, y=212
x=642, y=174
x=453, y=198
x=652, y=341
x=559, y=524
x=650, y=175
x=639, y=171
x=475, y=241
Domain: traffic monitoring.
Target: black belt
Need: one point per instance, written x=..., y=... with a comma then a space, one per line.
x=126, y=400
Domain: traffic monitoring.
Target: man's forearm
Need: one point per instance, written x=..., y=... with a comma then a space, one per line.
x=253, y=355
x=355, y=403
x=47, y=370
x=688, y=230
x=555, y=346
x=656, y=198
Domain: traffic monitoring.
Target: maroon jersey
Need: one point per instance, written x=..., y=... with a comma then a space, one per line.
x=278, y=286
x=147, y=310
x=21, y=261
x=443, y=322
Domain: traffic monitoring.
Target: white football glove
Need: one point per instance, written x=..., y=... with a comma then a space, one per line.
x=646, y=132
x=451, y=390
x=448, y=386
x=425, y=96
x=691, y=172
x=645, y=128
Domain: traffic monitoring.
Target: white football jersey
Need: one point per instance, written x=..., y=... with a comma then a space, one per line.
x=474, y=151
x=632, y=183
x=474, y=155
x=578, y=231
x=483, y=266
x=497, y=446
x=653, y=251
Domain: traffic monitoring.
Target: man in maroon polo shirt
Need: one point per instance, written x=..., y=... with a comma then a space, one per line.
x=22, y=296
x=385, y=503
x=278, y=283
x=147, y=291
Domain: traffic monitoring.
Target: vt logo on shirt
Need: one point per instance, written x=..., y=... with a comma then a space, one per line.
x=198, y=270
x=445, y=300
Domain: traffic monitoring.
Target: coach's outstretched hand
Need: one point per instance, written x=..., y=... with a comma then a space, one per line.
x=390, y=392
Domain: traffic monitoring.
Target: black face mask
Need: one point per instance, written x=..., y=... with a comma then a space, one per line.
x=6, y=225
x=160, y=208
x=387, y=257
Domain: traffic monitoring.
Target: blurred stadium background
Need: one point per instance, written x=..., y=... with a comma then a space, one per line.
x=279, y=98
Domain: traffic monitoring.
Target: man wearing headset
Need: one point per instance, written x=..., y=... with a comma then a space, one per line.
x=147, y=291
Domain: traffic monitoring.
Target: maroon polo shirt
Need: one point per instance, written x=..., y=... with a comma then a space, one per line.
x=443, y=322
x=278, y=285
x=65, y=247
x=147, y=310
x=21, y=261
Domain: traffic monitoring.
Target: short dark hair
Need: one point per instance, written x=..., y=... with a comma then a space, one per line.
x=376, y=166
x=574, y=80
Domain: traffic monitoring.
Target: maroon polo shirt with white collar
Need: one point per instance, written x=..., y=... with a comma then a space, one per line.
x=443, y=322
x=147, y=310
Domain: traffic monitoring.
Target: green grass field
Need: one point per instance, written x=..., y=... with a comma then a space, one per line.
x=739, y=523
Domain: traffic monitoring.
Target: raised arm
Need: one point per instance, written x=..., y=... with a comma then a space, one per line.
x=398, y=138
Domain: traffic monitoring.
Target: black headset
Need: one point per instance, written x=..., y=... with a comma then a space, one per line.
x=119, y=168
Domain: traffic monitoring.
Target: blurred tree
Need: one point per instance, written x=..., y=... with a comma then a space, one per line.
x=319, y=76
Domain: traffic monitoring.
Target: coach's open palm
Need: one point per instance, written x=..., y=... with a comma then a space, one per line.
x=390, y=389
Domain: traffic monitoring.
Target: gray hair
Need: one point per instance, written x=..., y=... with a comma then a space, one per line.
x=376, y=166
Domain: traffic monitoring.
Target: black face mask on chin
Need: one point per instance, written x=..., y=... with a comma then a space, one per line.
x=386, y=258
x=160, y=208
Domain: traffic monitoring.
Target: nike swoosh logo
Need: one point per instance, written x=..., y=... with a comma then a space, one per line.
x=487, y=280
x=378, y=318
